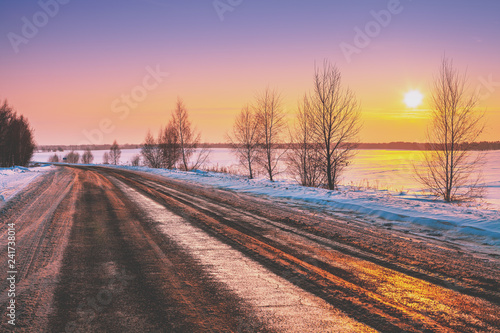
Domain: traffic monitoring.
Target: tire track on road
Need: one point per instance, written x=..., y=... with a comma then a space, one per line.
x=168, y=292
x=280, y=304
x=43, y=219
x=395, y=309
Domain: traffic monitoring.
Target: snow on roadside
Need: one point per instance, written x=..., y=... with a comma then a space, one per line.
x=14, y=179
x=475, y=222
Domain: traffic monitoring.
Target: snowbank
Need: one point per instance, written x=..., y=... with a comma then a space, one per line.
x=14, y=179
x=475, y=222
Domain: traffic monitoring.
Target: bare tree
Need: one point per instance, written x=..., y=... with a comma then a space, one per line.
x=115, y=153
x=335, y=114
x=189, y=139
x=304, y=157
x=105, y=158
x=244, y=139
x=87, y=156
x=54, y=158
x=72, y=157
x=450, y=168
x=136, y=160
x=151, y=152
x=169, y=145
x=271, y=124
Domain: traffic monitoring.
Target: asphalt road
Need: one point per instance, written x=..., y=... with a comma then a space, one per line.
x=108, y=250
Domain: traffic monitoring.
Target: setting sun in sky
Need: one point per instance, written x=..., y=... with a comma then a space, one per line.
x=95, y=71
x=413, y=98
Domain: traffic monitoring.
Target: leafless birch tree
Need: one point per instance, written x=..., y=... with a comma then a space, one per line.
x=244, y=139
x=189, y=139
x=151, y=152
x=335, y=114
x=115, y=153
x=72, y=157
x=271, y=124
x=450, y=167
x=170, y=145
x=54, y=158
x=136, y=160
x=105, y=158
x=87, y=156
x=304, y=157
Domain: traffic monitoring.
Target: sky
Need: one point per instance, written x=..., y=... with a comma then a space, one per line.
x=95, y=71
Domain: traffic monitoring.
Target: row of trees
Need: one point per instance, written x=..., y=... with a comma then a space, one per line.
x=74, y=157
x=328, y=122
x=323, y=138
x=17, y=143
x=257, y=134
x=111, y=157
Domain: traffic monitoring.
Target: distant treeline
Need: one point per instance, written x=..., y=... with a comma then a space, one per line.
x=60, y=148
x=483, y=145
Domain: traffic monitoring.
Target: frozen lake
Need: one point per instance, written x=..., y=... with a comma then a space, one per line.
x=380, y=169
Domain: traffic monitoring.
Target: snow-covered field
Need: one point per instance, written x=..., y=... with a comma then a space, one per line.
x=12, y=180
x=390, y=170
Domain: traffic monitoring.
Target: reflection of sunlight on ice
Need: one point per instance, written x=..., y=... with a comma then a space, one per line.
x=385, y=169
x=393, y=170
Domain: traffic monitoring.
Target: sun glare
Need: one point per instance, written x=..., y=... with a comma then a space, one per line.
x=413, y=98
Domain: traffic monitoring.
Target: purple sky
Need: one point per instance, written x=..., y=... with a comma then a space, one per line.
x=69, y=75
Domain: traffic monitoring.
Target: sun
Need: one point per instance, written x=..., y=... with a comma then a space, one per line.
x=413, y=98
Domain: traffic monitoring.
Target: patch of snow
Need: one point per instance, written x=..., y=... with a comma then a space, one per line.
x=14, y=179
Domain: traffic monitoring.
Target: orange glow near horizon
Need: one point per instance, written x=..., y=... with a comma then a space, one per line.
x=68, y=79
x=79, y=107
